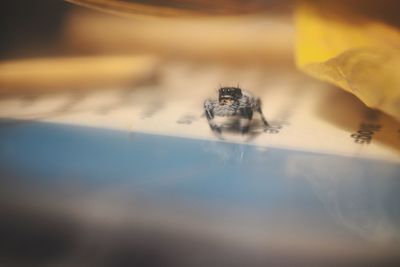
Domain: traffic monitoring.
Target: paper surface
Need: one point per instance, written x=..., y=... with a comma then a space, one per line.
x=304, y=114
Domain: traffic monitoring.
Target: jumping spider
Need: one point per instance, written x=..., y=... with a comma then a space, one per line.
x=236, y=104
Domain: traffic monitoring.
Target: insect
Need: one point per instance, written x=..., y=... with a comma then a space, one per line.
x=233, y=103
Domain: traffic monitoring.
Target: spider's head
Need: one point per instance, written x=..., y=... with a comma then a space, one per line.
x=229, y=95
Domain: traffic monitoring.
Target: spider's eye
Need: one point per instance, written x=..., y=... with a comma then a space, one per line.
x=229, y=93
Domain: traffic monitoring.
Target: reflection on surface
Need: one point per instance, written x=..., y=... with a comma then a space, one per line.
x=357, y=194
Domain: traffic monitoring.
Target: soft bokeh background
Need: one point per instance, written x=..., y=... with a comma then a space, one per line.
x=82, y=196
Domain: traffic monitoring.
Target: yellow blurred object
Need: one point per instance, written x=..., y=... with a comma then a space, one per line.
x=360, y=54
x=228, y=39
x=47, y=74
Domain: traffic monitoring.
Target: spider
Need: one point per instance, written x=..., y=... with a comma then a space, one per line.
x=233, y=103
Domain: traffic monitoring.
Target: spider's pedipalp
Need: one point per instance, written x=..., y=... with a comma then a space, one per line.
x=209, y=111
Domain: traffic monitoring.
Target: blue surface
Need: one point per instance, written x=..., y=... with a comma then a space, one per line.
x=353, y=192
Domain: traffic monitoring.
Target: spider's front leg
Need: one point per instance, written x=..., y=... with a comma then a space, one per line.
x=246, y=114
x=266, y=124
x=209, y=111
x=258, y=109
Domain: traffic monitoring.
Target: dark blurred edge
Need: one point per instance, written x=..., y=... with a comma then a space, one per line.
x=31, y=28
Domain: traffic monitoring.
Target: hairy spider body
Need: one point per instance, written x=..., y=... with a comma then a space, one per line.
x=234, y=103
